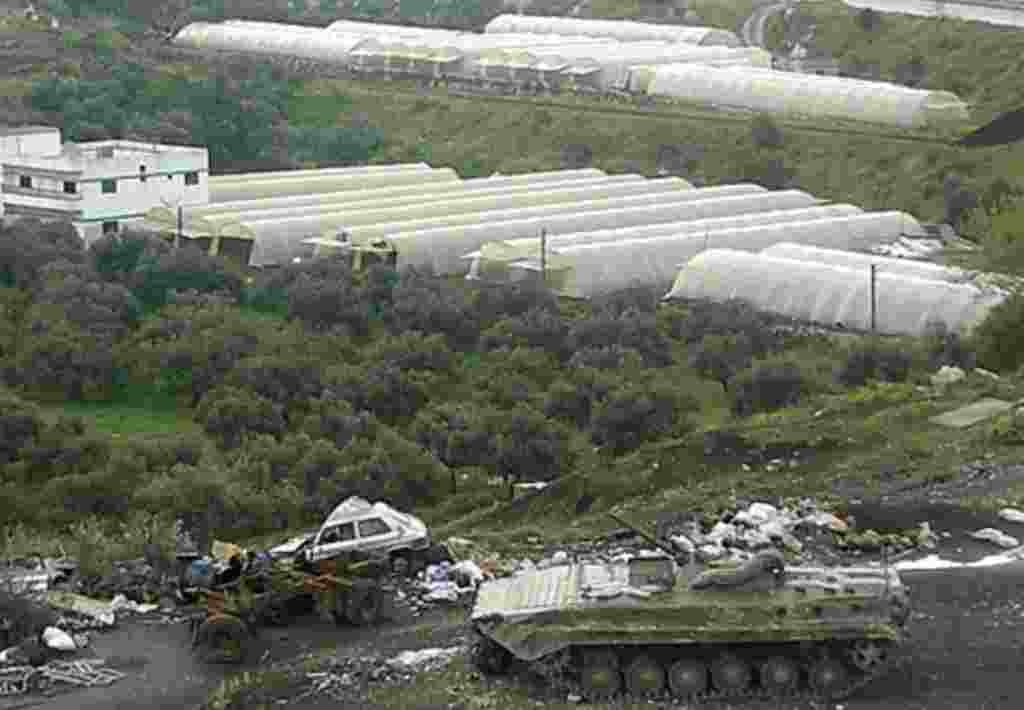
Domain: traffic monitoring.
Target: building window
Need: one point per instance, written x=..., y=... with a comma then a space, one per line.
x=192, y=178
x=25, y=181
x=142, y=173
x=110, y=227
x=109, y=187
x=70, y=188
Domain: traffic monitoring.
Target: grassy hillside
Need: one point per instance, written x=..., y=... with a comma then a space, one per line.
x=980, y=63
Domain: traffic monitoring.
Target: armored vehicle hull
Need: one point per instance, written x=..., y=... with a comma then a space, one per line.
x=651, y=628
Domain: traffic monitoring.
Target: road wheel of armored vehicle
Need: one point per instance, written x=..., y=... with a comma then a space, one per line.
x=222, y=639
x=827, y=676
x=731, y=674
x=687, y=677
x=489, y=657
x=868, y=655
x=363, y=605
x=779, y=674
x=645, y=677
x=599, y=675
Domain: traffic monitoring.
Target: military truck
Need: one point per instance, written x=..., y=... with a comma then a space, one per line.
x=660, y=625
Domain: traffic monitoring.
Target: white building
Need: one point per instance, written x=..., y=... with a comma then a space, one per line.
x=99, y=186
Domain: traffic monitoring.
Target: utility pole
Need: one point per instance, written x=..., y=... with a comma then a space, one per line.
x=543, y=256
x=873, y=268
x=177, y=238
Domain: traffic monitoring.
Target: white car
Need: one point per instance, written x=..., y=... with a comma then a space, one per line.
x=357, y=525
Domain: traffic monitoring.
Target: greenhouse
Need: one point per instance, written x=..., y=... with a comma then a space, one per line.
x=452, y=199
x=617, y=29
x=443, y=248
x=415, y=192
x=308, y=43
x=491, y=261
x=316, y=172
x=230, y=191
x=806, y=95
x=833, y=296
x=329, y=225
x=857, y=260
x=1009, y=14
x=677, y=193
x=588, y=270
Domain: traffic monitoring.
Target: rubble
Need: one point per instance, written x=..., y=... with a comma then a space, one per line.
x=996, y=536
x=344, y=677
x=1012, y=515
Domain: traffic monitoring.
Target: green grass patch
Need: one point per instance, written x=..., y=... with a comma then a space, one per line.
x=981, y=63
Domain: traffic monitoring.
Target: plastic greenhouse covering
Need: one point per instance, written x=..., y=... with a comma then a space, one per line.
x=331, y=224
x=443, y=248
x=1009, y=14
x=452, y=199
x=254, y=189
x=454, y=188
x=674, y=193
x=491, y=260
x=588, y=270
x=311, y=43
x=834, y=296
x=436, y=205
x=856, y=260
x=619, y=29
x=807, y=95
x=276, y=174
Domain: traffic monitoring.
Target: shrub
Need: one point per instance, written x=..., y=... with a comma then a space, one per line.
x=999, y=340
x=768, y=386
x=286, y=381
x=720, y=357
x=64, y=360
x=228, y=414
x=631, y=416
x=333, y=419
x=530, y=447
x=456, y=433
x=537, y=328
x=943, y=348
x=765, y=133
x=613, y=357
x=413, y=351
x=425, y=304
x=573, y=401
x=874, y=361
x=387, y=392
x=731, y=318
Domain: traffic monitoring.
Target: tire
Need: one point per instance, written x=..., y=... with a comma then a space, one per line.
x=363, y=607
x=223, y=639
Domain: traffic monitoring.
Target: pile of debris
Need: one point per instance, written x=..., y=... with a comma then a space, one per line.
x=346, y=677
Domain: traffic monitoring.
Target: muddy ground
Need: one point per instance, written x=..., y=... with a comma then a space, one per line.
x=966, y=651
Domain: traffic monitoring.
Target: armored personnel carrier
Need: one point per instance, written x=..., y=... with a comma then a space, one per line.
x=655, y=627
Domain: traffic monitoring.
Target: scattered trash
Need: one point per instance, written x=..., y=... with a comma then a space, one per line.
x=94, y=609
x=58, y=640
x=426, y=659
x=21, y=680
x=947, y=375
x=1012, y=515
x=996, y=536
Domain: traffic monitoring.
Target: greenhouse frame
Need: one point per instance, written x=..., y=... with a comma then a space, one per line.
x=429, y=205
x=491, y=261
x=588, y=270
x=319, y=202
x=254, y=189
x=856, y=260
x=618, y=29
x=442, y=249
x=833, y=296
x=317, y=172
x=806, y=95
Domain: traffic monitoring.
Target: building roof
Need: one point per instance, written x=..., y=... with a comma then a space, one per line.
x=26, y=130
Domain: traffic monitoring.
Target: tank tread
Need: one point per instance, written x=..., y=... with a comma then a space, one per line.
x=896, y=658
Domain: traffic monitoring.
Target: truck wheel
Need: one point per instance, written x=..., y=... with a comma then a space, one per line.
x=222, y=639
x=363, y=606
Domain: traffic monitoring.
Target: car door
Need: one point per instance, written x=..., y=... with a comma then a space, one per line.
x=332, y=540
x=376, y=534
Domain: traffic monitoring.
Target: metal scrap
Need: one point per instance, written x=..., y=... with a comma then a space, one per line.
x=20, y=680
